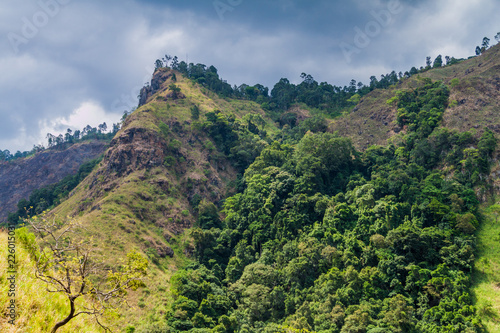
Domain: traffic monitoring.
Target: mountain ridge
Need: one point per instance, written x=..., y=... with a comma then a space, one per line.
x=168, y=170
x=475, y=89
x=159, y=170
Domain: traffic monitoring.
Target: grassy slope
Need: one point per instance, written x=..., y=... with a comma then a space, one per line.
x=37, y=310
x=147, y=206
x=475, y=90
x=486, y=278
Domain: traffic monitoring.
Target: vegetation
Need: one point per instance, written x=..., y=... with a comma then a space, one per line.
x=37, y=309
x=486, y=275
x=331, y=100
x=48, y=197
x=324, y=238
x=69, y=266
x=313, y=235
x=69, y=138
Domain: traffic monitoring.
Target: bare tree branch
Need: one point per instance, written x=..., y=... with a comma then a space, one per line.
x=71, y=266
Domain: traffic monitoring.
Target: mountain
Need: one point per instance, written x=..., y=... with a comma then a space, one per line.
x=474, y=101
x=20, y=177
x=160, y=169
x=258, y=218
x=162, y=161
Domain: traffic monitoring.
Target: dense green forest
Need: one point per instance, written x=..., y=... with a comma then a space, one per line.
x=324, y=238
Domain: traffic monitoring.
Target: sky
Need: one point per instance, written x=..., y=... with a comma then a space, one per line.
x=71, y=63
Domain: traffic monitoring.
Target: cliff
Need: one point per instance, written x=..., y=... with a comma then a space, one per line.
x=20, y=177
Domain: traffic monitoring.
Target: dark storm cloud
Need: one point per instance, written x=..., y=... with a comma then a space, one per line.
x=68, y=62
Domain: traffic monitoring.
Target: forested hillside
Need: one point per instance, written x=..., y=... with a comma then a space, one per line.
x=328, y=239
x=307, y=208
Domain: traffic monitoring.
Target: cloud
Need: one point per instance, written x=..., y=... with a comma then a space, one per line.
x=96, y=55
x=88, y=113
x=449, y=27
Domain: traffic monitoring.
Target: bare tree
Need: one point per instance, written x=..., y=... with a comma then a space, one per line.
x=73, y=268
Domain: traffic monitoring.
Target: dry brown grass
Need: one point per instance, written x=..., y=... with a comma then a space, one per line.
x=475, y=89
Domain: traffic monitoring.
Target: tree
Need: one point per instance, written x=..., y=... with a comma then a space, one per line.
x=398, y=314
x=103, y=127
x=51, y=139
x=438, y=62
x=195, y=112
x=497, y=37
x=352, y=86
x=69, y=266
x=175, y=90
x=59, y=140
x=485, y=44
x=428, y=62
x=7, y=155
x=68, y=137
x=208, y=216
x=86, y=130
x=116, y=128
x=158, y=64
x=124, y=117
x=495, y=211
x=167, y=59
x=175, y=63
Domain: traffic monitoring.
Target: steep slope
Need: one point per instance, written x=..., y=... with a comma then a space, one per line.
x=159, y=166
x=327, y=239
x=474, y=102
x=182, y=150
x=20, y=177
x=34, y=314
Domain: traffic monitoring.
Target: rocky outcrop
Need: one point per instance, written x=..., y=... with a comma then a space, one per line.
x=136, y=148
x=21, y=177
x=159, y=77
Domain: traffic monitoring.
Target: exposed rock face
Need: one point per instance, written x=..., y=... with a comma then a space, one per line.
x=175, y=167
x=160, y=76
x=21, y=177
x=135, y=149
